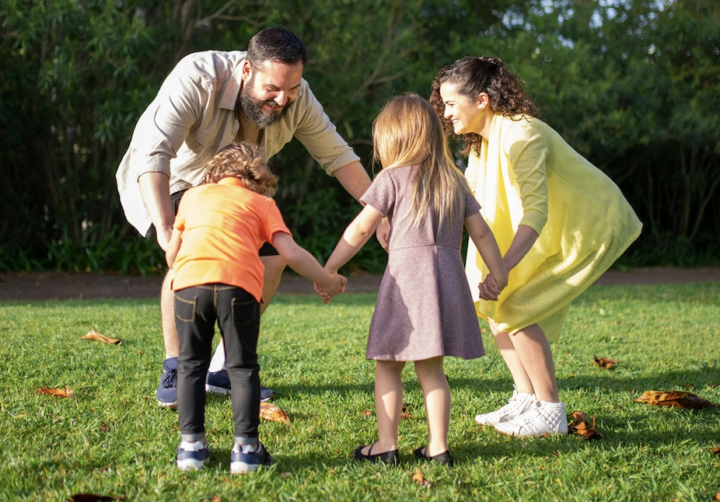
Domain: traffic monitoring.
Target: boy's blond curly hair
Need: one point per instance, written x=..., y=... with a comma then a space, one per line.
x=245, y=162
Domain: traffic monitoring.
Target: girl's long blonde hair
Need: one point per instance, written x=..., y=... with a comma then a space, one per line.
x=408, y=132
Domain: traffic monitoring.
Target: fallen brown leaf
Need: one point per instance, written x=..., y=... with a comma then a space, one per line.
x=483, y=331
x=405, y=413
x=215, y=498
x=715, y=450
x=604, y=362
x=66, y=392
x=714, y=385
x=91, y=497
x=420, y=479
x=581, y=426
x=690, y=386
x=272, y=413
x=368, y=413
x=716, y=497
x=104, y=427
x=676, y=399
x=94, y=335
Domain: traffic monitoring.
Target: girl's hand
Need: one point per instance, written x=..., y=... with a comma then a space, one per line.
x=336, y=284
x=489, y=289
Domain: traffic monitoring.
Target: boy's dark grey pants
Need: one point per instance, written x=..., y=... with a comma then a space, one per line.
x=238, y=315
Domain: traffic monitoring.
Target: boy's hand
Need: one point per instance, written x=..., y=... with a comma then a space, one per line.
x=334, y=285
x=490, y=289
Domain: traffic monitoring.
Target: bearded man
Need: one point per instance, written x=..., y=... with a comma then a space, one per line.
x=209, y=100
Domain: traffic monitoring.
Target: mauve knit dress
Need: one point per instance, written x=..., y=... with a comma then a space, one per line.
x=424, y=307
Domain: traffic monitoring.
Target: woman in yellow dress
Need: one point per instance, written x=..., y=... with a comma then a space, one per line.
x=558, y=220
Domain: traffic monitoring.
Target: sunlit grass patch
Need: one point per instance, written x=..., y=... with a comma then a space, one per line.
x=112, y=438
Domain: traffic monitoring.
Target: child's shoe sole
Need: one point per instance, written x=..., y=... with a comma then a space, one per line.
x=191, y=464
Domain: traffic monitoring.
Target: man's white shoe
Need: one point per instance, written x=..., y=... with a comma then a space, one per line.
x=542, y=418
x=516, y=406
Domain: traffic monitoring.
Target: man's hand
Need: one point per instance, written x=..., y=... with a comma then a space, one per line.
x=163, y=236
x=383, y=233
x=155, y=191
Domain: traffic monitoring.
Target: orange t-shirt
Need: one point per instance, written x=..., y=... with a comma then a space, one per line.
x=223, y=226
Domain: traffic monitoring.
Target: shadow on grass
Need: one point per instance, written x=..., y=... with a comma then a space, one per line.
x=671, y=380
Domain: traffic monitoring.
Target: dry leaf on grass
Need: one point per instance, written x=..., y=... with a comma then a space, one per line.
x=716, y=497
x=215, y=498
x=715, y=450
x=66, y=392
x=604, y=362
x=483, y=331
x=676, y=399
x=581, y=426
x=714, y=385
x=286, y=474
x=94, y=335
x=91, y=497
x=690, y=386
x=368, y=413
x=420, y=479
x=405, y=412
x=272, y=413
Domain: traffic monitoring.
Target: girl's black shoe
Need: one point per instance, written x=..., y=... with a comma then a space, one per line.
x=387, y=458
x=443, y=458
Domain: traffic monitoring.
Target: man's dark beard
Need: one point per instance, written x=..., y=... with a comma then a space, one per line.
x=252, y=108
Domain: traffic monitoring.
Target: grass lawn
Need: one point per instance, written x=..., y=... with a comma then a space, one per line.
x=113, y=438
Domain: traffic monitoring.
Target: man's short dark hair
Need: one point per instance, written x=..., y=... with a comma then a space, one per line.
x=276, y=44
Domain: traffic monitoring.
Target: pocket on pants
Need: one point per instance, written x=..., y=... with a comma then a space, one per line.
x=245, y=312
x=185, y=309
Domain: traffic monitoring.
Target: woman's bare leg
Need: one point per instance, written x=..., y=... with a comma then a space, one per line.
x=436, y=393
x=533, y=351
x=523, y=383
x=388, y=405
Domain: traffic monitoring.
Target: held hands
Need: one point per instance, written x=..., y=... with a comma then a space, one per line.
x=490, y=289
x=334, y=285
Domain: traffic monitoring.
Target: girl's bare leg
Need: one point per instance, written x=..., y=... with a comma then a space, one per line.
x=523, y=383
x=533, y=350
x=436, y=392
x=388, y=405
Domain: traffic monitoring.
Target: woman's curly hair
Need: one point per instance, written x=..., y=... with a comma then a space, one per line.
x=475, y=75
x=245, y=162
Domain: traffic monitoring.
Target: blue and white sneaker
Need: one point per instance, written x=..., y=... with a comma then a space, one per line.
x=219, y=383
x=244, y=461
x=167, y=391
x=193, y=456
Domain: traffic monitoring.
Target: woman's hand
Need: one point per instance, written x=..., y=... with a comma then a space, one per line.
x=490, y=290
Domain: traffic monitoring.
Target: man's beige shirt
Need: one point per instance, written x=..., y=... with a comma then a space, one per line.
x=192, y=118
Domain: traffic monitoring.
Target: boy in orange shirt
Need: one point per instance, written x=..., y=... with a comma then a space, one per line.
x=218, y=231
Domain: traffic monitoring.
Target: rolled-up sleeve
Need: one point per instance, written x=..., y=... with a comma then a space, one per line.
x=165, y=125
x=528, y=151
x=320, y=137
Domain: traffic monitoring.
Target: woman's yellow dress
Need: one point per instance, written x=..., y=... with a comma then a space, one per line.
x=526, y=174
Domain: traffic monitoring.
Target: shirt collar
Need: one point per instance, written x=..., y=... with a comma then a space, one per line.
x=232, y=181
x=234, y=85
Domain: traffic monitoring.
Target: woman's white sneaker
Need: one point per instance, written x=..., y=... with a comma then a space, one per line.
x=542, y=418
x=517, y=405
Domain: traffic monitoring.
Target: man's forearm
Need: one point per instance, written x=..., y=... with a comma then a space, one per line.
x=155, y=190
x=354, y=179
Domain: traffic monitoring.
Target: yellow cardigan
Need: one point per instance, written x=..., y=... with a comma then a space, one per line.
x=526, y=174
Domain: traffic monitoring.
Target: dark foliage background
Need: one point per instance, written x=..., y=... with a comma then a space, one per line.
x=632, y=85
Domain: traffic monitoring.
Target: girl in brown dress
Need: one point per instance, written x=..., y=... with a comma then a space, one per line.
x=424, y=309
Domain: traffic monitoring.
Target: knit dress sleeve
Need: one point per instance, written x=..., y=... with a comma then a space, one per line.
x=381, y=194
